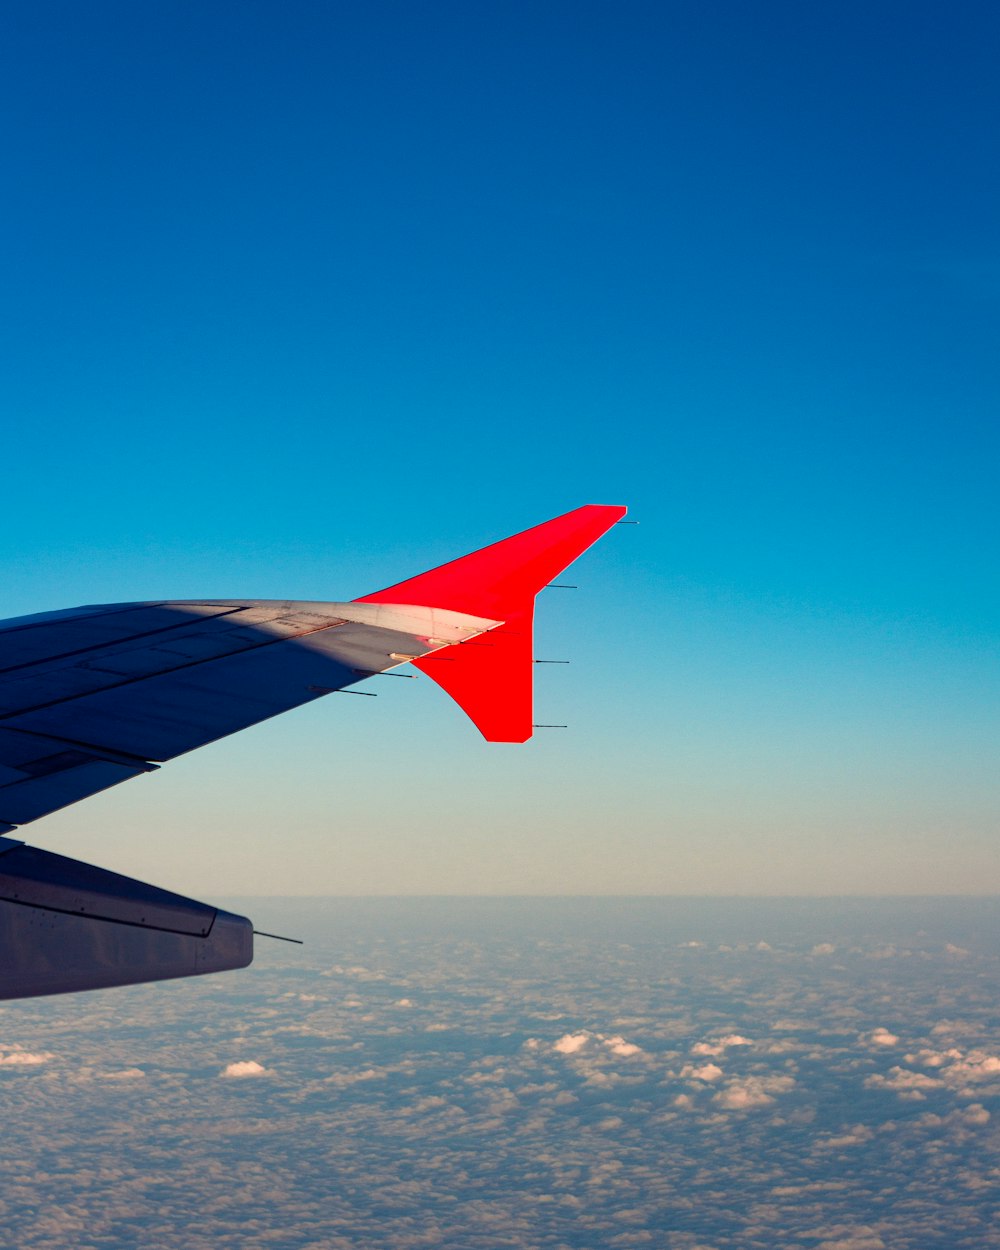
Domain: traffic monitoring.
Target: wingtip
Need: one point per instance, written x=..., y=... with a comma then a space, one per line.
x=493, y=682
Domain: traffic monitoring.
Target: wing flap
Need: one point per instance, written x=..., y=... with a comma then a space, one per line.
x=40, y=774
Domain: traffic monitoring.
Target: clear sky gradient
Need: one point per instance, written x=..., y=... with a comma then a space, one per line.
x=300, y=299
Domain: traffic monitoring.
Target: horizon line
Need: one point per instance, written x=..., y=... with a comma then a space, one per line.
x=995, y=895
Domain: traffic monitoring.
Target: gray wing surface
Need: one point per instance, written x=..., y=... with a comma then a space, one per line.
x=93, y=696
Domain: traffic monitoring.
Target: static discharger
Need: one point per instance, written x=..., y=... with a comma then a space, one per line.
x=374, y=672
x=560, y=586
x=550, y=661
x=277, y=937
x=550, y=726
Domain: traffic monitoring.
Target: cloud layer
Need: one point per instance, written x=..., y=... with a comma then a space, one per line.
x=526, y=1088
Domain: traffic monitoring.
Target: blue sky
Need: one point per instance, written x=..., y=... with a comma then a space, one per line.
x=299, y=299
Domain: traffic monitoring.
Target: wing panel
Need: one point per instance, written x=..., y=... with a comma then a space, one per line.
x=40, y=774
x=192, y=639
x=38, y=796
x=36, y=878
x=28, y=640
x=161, y=716
x=165, y=715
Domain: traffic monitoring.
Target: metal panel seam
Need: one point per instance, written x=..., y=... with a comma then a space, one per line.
x=174, y=668
x=130, y=924
x=100, y=646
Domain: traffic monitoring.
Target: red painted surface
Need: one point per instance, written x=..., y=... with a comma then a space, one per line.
x=490, y=677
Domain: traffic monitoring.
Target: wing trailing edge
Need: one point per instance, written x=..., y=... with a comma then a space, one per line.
x=490, y=677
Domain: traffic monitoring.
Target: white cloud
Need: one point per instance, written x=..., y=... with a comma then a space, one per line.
x=753, y=1091
x=904, y=1082
x=973, y=1116
x=245, y=1067
x=966, y=1075
x=24, y=1058
x=574, y=1043
x=858, y=1134
x=783, y=1047
x=484, y=1078
x=976, y=1114
x=434, y=1102
x=717, y=1048
x=598, y=1077
x=952, y=1027
x=619, y=1046
x=823, y=948
x=706, y=1072
x=570, y=1043
x=933, y=1058
x=343, y=1079
x=880, y=1037
x=861, y=1239
x=976, y=1066
x=126, y=1074
x=960, y=1073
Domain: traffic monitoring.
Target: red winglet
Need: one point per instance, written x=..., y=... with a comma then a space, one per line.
x=490, y=677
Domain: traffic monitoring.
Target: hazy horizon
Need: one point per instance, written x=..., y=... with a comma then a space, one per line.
x=720, y=896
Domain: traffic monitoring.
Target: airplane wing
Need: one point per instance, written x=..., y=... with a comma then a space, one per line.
x=93, y=696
